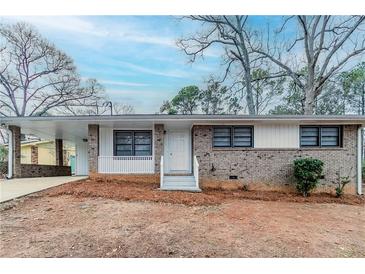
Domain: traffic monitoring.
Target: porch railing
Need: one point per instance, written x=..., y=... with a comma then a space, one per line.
x=126, y=164
x=196, y=171
x=161, y=172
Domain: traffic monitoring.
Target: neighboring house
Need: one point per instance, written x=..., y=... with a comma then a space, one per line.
x=43, y=152
x=189, y=151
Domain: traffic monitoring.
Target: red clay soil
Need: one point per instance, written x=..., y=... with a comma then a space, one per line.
x=146, y=191
x=92, y=218
x=69, y=226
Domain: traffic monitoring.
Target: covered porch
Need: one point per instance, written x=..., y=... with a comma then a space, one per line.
x=147, y=147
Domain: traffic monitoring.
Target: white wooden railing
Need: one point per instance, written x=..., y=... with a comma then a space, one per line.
x=126, y=164
x=196, y=171
x=161, y=172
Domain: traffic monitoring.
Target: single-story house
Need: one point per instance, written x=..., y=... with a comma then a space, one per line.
x=188, y=151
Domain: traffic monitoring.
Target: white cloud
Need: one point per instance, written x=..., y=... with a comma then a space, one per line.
x=168, y=73
x=138, y=94
x=79, y=25
x=123, y=83
x=146, y=39
x=61, y=23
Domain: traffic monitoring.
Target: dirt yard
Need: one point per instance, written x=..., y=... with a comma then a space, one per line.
x=94, y=219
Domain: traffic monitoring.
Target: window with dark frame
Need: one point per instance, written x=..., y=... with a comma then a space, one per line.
x=132, y=143
x=320, y=136
x=232, y=136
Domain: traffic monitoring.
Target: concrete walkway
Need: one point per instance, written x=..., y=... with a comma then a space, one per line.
x=15, y=188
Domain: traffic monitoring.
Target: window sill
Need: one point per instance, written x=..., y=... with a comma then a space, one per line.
x=279, y=149
x=322, y=148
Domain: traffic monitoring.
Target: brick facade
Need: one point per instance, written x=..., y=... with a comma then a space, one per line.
x=158, y=145
x=59, y=152
x=29, y=170
x=34, y=170
x=93, y=148
x=17, y=171
x=34, y=155
x=272, y=168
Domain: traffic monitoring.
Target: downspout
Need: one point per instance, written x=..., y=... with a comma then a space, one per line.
x=359, y=160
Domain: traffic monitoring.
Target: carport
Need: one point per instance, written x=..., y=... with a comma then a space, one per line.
x=58, y=128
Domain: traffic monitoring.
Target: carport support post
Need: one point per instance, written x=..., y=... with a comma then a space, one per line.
x=158, y=140
x=59, y=152
x=93, y=148
x=14, y=149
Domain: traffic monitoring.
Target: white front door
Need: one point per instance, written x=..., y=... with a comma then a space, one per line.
x=82, y=164
x=178, y=151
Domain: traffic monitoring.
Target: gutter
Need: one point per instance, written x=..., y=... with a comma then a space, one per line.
x=359, y=160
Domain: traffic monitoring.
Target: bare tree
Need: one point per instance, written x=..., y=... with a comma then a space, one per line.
x=119, y=108
x=91, y=105
x=328, y=43
x=35, y=77
x=96, y=104
x=232, y=33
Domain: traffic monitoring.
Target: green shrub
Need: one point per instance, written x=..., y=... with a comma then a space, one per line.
x=3, y=153
x=341, y=183
x=3, y=160
x=307, y=171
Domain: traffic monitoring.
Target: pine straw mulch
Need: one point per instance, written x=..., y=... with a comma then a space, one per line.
x=144, y=191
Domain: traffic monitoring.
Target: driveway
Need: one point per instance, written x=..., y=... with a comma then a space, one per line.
x=15, y=188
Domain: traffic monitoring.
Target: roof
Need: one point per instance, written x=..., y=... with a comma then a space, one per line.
x=75, y=128
x=164, y=117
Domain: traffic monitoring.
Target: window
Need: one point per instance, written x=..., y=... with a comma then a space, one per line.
x=320, y=136
x=233, y=136
x=242, y=136
x=309, y=137
x=132, y=143
x=222, y=137
x=330, y=136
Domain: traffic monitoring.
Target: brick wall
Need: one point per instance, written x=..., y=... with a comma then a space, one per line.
x=158, y=145
x=272, y=168
x=29, y=170
x=16, y=151
x=3, y=169
x=59, y=152
x=34, y=155
x=93, y=148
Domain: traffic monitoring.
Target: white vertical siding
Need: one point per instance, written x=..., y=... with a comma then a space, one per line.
x=126, y=164
x=107, y=163
x=82, y=163
x=105, y=141
x=276, y=136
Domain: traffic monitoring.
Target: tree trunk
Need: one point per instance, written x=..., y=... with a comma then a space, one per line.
x=363, y=100
x=309, y=102
x=249, y=96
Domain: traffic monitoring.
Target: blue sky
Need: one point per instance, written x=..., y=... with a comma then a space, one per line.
x=134, y=57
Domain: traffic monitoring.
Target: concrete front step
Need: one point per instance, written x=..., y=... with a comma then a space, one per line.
x=190, y=189
x=184, y=183
x=179, y=179
x=178, y=184
x=178, y=174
